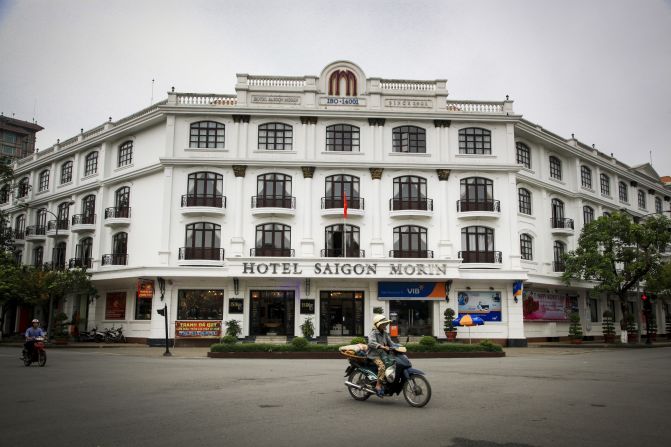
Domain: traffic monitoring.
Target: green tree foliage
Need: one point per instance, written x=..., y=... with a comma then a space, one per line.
x=659, y=282
x=6, y=237
x=618, y=253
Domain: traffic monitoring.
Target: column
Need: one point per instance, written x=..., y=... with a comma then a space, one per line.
x=309, y=124
x=442, y=139
x=510, y=214
x=166, y=216
x=376, y=244
x=307, y=243
x=242, y=122
x=237, y=241
x=96, y=251
x=445, y=249
x=376, y=126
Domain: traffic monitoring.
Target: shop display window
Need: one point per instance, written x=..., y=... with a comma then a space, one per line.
x=200, y=304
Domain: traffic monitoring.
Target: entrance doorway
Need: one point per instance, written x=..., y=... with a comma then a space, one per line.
x=341, y=313
x=272, y=312
x=413, y=317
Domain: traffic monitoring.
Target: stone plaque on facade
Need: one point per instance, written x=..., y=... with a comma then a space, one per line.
x=413, y=103
x=342, y=101
x=276, y=99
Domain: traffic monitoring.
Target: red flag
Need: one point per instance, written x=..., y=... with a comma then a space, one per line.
x=344, y=204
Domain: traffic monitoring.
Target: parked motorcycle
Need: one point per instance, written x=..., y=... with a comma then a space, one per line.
x=400, y=376
x=38, y=354
x=115, y=335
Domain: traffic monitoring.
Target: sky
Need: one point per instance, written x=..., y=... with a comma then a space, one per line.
x=600, y=69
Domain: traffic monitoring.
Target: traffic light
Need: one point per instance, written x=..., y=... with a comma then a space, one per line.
x=647, y=303
x=161, y=312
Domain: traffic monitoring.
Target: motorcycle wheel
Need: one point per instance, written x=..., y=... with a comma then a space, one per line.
x=26, y=360
x=42, y=358
x=417, y=391
x=358, y=378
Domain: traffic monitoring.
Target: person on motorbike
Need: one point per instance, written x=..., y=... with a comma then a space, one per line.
x=379, y=343
x=31, y=334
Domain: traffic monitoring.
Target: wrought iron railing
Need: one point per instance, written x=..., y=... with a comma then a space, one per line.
x=36, y=230
x=83, y=219
x=202, y=200
x=117, y=212
x=274, y=202
x=115, y=259
x=355, y=203
x=204, y=253
x=272, y=251
x=485, y=257
x=54, y=225
x=478, y=205
x=80, y=263
x=561, y=222
x=411, y=253
x=411, y=204
x=340, y=253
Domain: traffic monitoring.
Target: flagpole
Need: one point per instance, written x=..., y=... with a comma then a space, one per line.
x=344, y=219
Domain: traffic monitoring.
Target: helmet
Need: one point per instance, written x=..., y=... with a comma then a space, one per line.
x=380, y=319
x=36, y=321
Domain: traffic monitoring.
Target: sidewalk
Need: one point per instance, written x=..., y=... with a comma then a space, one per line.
x=132, y=349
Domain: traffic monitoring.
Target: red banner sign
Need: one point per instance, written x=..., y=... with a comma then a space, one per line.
x=198, y=329
x=145, y=288
x=115, y=306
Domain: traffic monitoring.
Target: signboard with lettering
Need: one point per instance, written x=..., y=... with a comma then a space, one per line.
x=411, y=290
x=197, y=329
x=484, y=304
x=276, y=99
x=416, y=103
x=307, y=306
x=342, y=101
x=545, y=306
x=115, y=306
x=145, y=288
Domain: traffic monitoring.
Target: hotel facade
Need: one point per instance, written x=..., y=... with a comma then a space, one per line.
x=323, y=198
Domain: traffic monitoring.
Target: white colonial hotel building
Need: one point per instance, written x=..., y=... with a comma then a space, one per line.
x=231, y=206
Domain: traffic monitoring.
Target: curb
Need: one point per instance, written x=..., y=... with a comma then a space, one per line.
x=600, y=345
x=337, y=355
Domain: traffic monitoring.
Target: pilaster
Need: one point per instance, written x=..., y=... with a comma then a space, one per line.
x=237, y=241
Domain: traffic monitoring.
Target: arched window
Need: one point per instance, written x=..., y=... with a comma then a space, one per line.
x=559, y=251
x=605, y=185
x=474, y=140
x=340, y=185
x=409, y=139
x=623, y=192
x=19, y=226
x=341, y=243
x=204, y=189
x=273, y=191
x=342, y=83
x=23, y=188
x=410, y=241
x=523, y=155
x=88, y=215
x=91, y=163
x=83, y=254
x=275, y=137
x=558, y=219
x=4, y=194
x=121, y=202
x=585, y=177
x=477, y=245
x=587, y=214
x=38, y=256
x=207, y=135
x=202, y=240
x=526, y=247
x=58, y=255
x=66, y=172
x=555, y=168
x=342, y=138
x=125, y=154
x=120, y=249
x=273, y=239
x=410, y=194
x=41, y=220
x=44, y=180
x=524, y=198
x=477, y=194
x=641, y=199
x=658, y=205
x=63, y=213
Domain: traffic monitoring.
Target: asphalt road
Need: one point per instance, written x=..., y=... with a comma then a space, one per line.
x=545, y=398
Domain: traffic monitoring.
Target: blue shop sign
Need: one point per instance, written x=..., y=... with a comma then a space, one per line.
x=411, y=290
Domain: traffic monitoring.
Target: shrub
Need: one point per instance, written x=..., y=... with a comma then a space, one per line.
x=308, y=328
x=299, y=343
x=229, y=339
x=378, y=310
x=233, y=328
x=449, y=316
x=427, y=340
x=575, y=329
x=490, y=346
x=607, y=325
x=357, y=340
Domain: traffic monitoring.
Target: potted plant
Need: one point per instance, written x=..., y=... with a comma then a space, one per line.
x=653, y=327
x=575, y=329
x=233, y=328
x=378, y=310
x=632, y=330
x=448, y=327
x=60, y=328
x=608, y=327
x=668, y=326
x=308, y=328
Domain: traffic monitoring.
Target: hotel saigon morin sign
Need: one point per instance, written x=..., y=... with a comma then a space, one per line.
x=342, y=269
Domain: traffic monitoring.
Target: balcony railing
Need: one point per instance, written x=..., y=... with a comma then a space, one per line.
x=53, y=225
x=115, y=259
x=204, y=253
x=35, y=230
x=83, y=219
x=411, y=253
x=117, y=212
x=272, y=251
x=561, y=222
x=201, y=200
x=80, y=263
x=484, y=257
x=19, y=234
x=414, y=204
x=355, y=203
x=478, y=205
x=558, y=266
x=274, y=202
x=340, y=253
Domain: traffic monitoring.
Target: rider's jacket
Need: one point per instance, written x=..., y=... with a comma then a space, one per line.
x=31, y=332
x=375, y=339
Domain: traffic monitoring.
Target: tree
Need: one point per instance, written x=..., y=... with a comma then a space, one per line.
x=659, y=283
x=618, y=253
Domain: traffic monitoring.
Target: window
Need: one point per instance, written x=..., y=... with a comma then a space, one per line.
x=410, y=241
x=142, y=307
x=207, y=135
x=477, y=244
x=641, y=199
x=23, y=188
x=125, y=154
x=523, y=155
x=121, y=203
x=524, y=198
x=658, y=205
x=342, y=137
x=63, y=212
x=19, y=226
x=409, y=139
x=474, y=140
x=58, y=255
x=593, y=310
x=477, y=194
x=348, y=81
x=4, y=194
x=91, y=164
x=526, y=247
x=88, y=209
x=202, y=240
x=83, y=253
x=66, y=172
x=275, y=137
x=341, y=243
x=606, y=214
x=555, y=168
x=44, y=180
x=623, y=193
x=410, y=194
x=587, y=214
x=200, y=304
x=119, y=255
x=273, y=239
x=273, y=190
x=585, y=176
x=338, y=186
x=605, y=185
x=559, y=250
x=557, y=213
x=18, y=257
x=38, y=256
x=205, y=189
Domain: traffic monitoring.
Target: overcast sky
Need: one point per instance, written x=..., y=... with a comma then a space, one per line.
x=600, y=69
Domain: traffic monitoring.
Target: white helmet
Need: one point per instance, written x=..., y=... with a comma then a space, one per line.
x=380, y=319
x=36, y=321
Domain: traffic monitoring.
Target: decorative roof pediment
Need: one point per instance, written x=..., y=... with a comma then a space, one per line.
x=342, y=78
x=647, y=170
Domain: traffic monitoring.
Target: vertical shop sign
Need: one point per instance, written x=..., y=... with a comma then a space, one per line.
x=145, y=288
x=115, y=306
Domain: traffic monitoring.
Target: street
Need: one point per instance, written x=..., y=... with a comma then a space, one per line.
x=119, y=397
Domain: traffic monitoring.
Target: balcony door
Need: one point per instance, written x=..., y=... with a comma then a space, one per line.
x=337, y=186
x=273, y=190
x=273, y=239
x=477, y=244
x=477, y=194
x=410, y=241
x=205, y=189
x=202, y=240
x=342, y=241
x=409, y=193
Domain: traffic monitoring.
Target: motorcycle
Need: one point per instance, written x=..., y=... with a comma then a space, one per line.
x=38, y=353
x=400, y=376
x=115, y=335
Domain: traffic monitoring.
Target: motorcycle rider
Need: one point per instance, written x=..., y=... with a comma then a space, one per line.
x=31, y=334
x=379, y=343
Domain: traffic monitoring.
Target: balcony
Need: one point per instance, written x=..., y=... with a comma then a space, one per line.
x=194, y=204
x=18, y=236
x=117, y=216
x=334, y=206
x=338, y=253
x=410, y=207
x=115, y=259
x=212, y=256
x=36, y=233
x=481, y=258
x=83, y=222
x=411, y=253
x=561, y=225
x=272, y=251
x=487, y=209
x=273, y=205
x=80, y=263
x=56, y=228
x=558, y=266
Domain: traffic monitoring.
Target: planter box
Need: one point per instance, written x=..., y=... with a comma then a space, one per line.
x=337, y=355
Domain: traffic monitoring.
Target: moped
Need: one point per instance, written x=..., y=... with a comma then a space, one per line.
x=38, y=353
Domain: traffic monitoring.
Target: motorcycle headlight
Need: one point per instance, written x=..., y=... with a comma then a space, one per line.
x=390, y=373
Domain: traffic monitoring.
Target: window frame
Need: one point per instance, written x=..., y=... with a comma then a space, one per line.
x=91, y=163
x=642, y=200
x=66, y=172
x=125, y=155
x=659, y=207
x=280, y=132
x=207, y=134
x=273, y=236
x=523, y=154
x=343, y=137
x=43, y=182
x=586, y=177
x=623, y=192
x=526, y=247
x=203, y=300
x=555, y=167
x=469, y=136
x=335, y=185
x=524, y=198
x=587, y=214
x=604, y=182
x=352, y=242
x=408, y=139
x=411, y=238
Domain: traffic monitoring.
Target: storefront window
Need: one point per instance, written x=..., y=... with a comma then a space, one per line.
x=142, y=308
x=341, y=313
x=272, y=312
x=594, y=310
x=200, y=304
